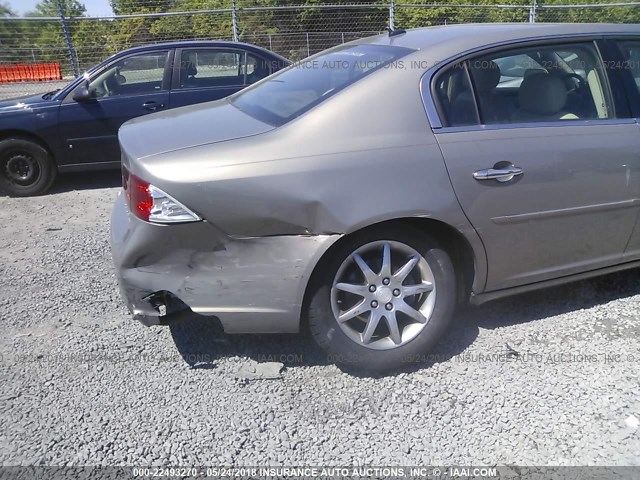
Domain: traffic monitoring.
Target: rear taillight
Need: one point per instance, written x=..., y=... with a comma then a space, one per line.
x=140, y=199
x=151, y=204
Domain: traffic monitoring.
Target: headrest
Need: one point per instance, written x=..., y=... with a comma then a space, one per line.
x=542, y=94
x=485, y=74
x=189, y=68
x=533, y=71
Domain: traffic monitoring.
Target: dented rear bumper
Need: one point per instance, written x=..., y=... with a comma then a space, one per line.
x=253, y=285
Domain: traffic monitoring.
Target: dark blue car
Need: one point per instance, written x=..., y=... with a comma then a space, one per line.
x=76, y=128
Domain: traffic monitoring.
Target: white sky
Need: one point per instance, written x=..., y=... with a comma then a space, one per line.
x=95, y=8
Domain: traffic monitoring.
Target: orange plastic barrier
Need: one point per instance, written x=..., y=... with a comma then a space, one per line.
x=29, y=72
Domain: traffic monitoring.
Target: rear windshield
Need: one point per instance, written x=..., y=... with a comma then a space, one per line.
x=290, y=93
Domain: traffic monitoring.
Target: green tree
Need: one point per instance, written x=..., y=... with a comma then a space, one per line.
x=135, y=31
x=45, y=40
x=92, y=41
x=201, y=26
x=129, y=7
x=11, y=32
x=5, y=11
x=448, y=14
x=619, y=14
x=49, y=8
x=129, y=32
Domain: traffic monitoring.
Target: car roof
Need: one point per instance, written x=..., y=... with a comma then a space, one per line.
x=479, y=35
x=176, y=44
x=200, y=43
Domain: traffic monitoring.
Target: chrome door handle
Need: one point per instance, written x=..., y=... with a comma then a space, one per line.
x=499, y=174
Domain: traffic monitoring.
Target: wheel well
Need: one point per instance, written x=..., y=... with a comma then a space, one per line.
x=450, y=239
x=6, y=134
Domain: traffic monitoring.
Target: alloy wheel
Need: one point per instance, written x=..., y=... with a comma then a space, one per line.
x=383, y=295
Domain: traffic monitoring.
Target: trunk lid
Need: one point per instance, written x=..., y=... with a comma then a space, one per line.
x=186, y=127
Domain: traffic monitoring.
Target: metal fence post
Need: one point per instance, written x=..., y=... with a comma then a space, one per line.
x=234, y=20
x=533, y=11
x=73, y=58
x=392, y=14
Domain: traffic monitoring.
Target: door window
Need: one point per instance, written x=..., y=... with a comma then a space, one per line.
x=535, y=84
x=205, y=68
x=631, y=53
x=135, y=75
x=513, y=69
x=455, y=97
x=256, y=69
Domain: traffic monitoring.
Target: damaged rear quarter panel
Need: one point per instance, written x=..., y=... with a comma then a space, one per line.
x=253, y=285
x=365, y=155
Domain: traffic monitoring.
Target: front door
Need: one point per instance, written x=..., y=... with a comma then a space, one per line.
x=542, y=166
x=129, y=88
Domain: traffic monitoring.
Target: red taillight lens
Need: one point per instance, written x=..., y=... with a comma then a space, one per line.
x=140, y=199
x=151, y=204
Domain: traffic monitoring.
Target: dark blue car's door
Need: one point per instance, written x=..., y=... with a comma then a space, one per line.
x=131, y=87
x=205, y=74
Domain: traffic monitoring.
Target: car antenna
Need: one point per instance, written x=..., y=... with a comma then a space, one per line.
x=395, y=31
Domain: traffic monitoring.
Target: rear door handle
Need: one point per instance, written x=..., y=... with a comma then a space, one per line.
x=152, y=106
x=499, y=174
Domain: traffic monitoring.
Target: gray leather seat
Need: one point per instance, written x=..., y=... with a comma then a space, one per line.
x=494, y=108
x=542, y=97
x=533, y=71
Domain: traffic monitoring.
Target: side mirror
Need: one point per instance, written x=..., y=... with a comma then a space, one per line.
x=82, y=93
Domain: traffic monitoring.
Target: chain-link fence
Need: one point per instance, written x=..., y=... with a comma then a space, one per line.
x=76, y=42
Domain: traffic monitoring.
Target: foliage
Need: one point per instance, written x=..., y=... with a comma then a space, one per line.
x=11, y=34
x=292, y=32
x=5, y=11
x=49, y=8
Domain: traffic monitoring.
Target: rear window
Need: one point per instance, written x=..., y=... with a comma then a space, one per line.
x=305, y=84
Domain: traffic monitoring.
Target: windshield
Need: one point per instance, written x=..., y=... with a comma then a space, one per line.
x=309, y=82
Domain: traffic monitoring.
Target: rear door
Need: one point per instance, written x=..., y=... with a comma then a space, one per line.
x=205, y=74
x=629, y=61
x=548, y=175
x=130, y=87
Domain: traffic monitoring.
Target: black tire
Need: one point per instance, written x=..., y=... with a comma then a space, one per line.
x=26, y=168
x=347, y=353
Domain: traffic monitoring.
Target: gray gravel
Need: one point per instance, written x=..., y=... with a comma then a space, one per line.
x=521, y=381
x=22, y=89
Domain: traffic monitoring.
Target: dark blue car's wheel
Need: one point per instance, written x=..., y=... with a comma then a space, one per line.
x=25, y=168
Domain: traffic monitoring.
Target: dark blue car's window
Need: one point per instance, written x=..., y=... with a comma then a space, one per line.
x=215, y=67
x=631, y=52
x=306, y=84
x=135, y=75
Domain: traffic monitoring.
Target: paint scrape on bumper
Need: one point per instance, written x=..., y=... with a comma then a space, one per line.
x=253, y=285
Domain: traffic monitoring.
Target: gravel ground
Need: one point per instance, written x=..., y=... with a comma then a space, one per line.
x=22, y=89
x=522, y=381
